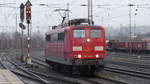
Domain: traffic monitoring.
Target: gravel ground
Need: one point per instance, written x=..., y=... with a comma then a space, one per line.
x=1, y=53
x=145, y=57
x=129, y=79
x=40, y=54
x=25, y=80
x=116, y=57
x=130, y=68
x=1, y=67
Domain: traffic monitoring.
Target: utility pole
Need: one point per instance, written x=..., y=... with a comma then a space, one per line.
x=134, y=31
x=16, y=32
x=38, y=31
x=16, y=22
x=102, y=20
x=22, y=26
x=90, y=11
x=130, y=28
x=136, y=10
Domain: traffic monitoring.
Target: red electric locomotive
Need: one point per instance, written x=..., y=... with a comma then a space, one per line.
x=77, y=48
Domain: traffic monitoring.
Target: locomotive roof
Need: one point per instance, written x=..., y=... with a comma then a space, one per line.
x=79, y=21
x=73, y=23
x=61, y=29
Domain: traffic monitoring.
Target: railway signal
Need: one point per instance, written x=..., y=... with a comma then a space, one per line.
x=28, y=18
x=22, y=12
x=28, y=11
x=22, y=26
x=28, y=14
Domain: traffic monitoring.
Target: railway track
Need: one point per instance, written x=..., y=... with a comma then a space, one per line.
x=61, y=79
x=7, y=64
x=129, y=72
x=132, y=56
x=88, y=79
x=77, y=78
x=143, y=66
x=82, y=80
x=26, y=73
x=37, y=76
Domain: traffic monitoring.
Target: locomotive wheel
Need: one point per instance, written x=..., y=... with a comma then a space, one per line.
x=47, y=61
x=91, y=70
x=87, y=70
x=56, y=67
x=83, y=70
x=66, y=69
x=63, y=69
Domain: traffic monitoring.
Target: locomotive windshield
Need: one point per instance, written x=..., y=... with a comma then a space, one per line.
x=96, y=33
x=79, y=33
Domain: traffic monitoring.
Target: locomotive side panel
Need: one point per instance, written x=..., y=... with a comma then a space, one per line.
x=56, y=49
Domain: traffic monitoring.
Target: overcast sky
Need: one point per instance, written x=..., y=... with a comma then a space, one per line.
x=44, y=16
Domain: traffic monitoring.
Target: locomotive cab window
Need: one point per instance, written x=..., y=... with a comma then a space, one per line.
x=79, y=33
x=96, y=33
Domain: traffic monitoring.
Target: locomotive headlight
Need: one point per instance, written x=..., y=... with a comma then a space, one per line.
x=77, y=48
x=79, y=56
x=88, y=40
x=97, y=56
x=99, y=48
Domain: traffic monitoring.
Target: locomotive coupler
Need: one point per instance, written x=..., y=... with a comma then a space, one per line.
x=75, y=68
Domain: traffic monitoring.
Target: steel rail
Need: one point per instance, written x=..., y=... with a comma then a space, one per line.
x=39, y=74
x=130, y=64
x=21, y=74
x=24, y=70
x=132, y=56
x=55, y=78
x=80, y=78
x=128, y=72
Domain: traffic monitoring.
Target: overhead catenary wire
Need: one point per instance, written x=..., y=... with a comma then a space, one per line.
x=77, y=3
